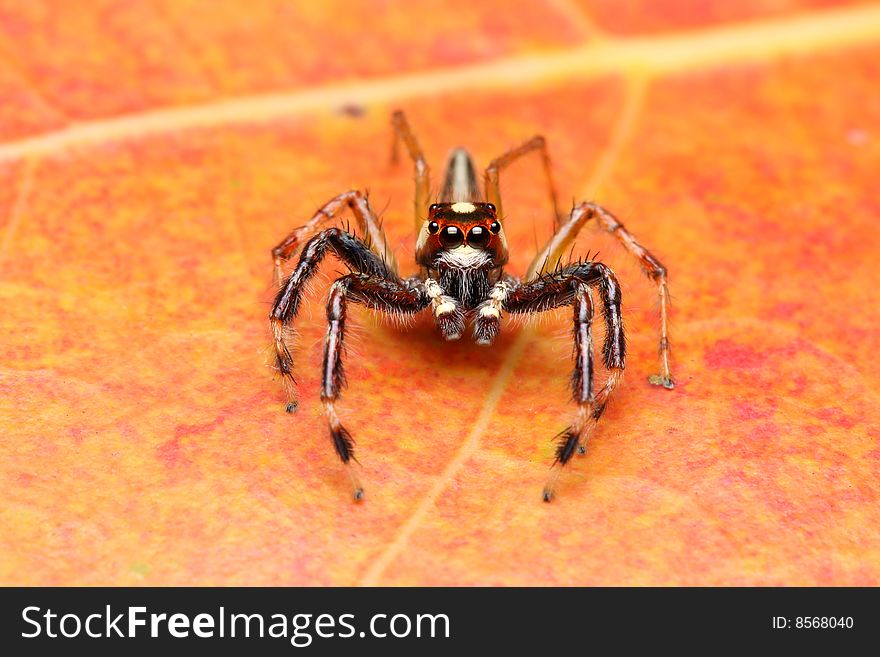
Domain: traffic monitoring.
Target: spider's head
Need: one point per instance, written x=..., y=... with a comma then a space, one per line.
x=462, y=236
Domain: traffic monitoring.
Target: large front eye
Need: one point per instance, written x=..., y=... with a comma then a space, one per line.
x=478, y=236
x=451, y=236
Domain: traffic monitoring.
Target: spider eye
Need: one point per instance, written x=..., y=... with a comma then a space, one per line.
x=433, y=227
x=478, y=236
x=433, y=207
x=491, y=207
x=494, y=227
x=451, y=236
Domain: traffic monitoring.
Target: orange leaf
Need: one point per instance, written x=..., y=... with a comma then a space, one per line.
x=151, y=155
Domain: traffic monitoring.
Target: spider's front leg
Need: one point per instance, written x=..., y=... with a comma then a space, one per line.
x=348, y=248
x=385, y=293
x=571, y=286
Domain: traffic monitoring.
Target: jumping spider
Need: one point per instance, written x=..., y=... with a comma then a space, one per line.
x=461, y=251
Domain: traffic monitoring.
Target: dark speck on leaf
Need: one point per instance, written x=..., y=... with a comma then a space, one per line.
x=353, y=110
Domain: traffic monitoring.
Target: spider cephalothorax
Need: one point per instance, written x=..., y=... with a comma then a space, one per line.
x=462, y=246
x=460, y=235
x=461, y=251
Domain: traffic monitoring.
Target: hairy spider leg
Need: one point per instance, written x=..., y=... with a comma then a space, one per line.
x=377, y=292
x=350, y=250
x=557, y=247
x=496, y=166
x=367, y=222
x=403, y=132
x=571, y=286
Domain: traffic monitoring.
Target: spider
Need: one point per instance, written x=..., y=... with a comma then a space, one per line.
x=461, y=251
